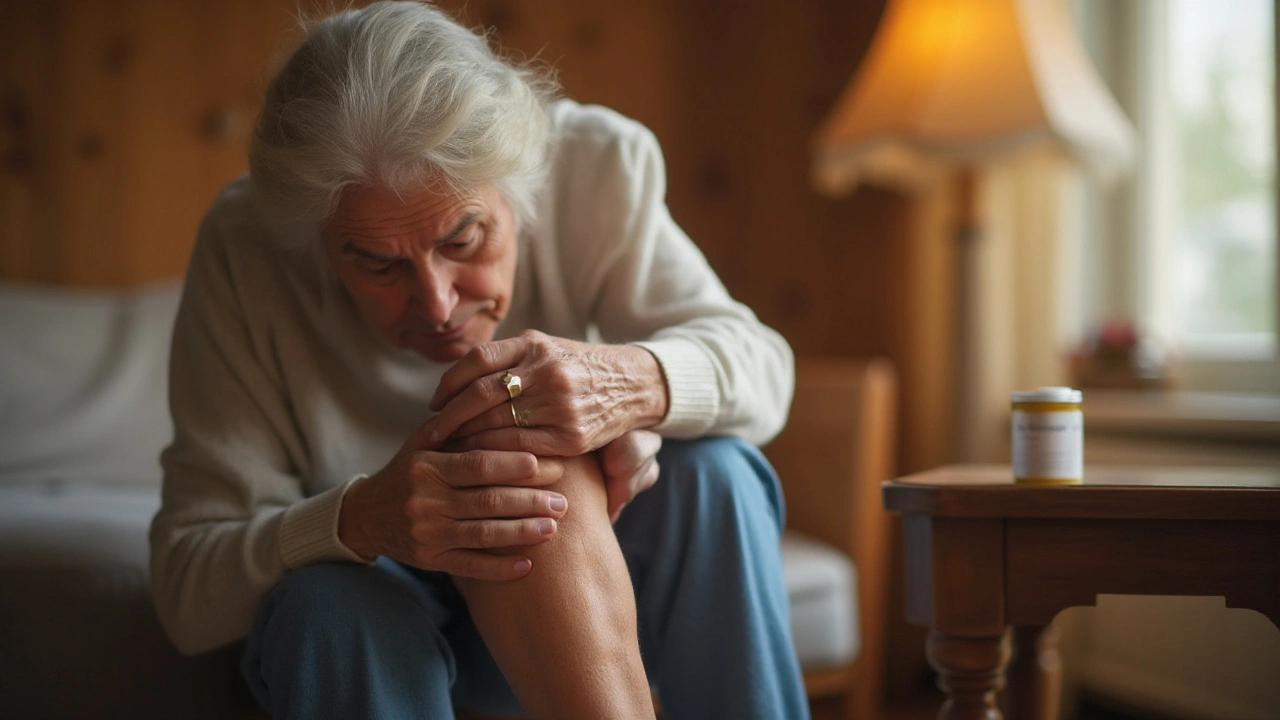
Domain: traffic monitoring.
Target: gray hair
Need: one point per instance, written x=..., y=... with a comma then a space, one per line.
x=397, y=94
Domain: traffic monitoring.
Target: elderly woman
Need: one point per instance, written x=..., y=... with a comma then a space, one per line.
x=425, y=356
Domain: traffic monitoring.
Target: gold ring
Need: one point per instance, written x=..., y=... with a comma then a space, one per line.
x=520, y=417
x=512, y=383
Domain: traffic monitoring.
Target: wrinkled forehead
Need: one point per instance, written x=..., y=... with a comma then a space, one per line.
x=378, y=211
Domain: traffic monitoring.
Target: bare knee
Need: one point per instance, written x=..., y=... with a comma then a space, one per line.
x=565, y=633
x=578, y=575
x=583, y=535
x=583, y=486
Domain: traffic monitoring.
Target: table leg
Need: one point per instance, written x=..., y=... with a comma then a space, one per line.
x=1035, y=676
x=970, y=672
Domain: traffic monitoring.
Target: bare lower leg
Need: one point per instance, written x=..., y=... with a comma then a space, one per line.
x=565, y=634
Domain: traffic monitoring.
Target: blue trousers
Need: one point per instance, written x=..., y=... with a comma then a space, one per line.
x=702, y=546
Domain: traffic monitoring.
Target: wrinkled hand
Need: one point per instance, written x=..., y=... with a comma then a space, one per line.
x=576, y=397
x=442, y=511
x=630, y=466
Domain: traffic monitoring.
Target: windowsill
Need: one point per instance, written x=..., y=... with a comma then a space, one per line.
x=1199, y=415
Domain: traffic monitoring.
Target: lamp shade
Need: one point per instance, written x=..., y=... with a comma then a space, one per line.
x=960, y=82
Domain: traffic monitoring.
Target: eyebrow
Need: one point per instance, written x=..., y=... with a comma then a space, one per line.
x=467, y=221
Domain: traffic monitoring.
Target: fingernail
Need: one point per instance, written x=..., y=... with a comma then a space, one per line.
x=433, y=437
x=546, y=526
x=522, y=565
x=558, y=503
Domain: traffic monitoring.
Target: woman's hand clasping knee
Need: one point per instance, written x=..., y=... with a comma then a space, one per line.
x=446, y=511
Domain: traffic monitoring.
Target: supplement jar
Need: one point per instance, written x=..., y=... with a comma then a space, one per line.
x=1048, y=436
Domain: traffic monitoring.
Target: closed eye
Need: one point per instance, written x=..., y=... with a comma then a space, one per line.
x=464, y=246
x=379, y=267
x=370, y=262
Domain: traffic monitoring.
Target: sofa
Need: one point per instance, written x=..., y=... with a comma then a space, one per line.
x=83, y=417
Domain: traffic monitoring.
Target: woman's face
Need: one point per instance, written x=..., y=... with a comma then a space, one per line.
x=429, y=271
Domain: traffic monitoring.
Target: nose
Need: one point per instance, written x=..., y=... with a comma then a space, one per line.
x=433, y=291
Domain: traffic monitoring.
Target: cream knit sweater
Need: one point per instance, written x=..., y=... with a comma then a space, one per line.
x=281, y=397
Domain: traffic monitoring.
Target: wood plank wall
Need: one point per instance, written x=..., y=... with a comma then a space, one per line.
x=119, y=122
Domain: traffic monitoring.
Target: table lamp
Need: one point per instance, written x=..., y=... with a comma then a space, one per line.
x=955, y=83
x=949, y=85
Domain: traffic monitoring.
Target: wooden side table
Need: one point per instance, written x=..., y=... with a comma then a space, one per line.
x=984, y=555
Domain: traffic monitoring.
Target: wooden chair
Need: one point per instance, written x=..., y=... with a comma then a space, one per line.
x=838, y=446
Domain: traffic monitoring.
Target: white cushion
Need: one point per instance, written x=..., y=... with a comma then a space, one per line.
x=822, y=586
x=84, y=382
x=77, y=525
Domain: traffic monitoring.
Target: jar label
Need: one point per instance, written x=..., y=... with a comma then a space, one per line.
x=1048, y=444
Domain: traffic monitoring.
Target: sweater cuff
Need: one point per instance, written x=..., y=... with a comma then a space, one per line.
x=693, y=395
x=309, y=532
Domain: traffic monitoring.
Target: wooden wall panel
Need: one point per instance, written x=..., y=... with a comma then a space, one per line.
x=118, y=124
x=26, y=69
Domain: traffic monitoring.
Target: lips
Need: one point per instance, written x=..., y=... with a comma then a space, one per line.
x=421, y=332
x=453, y=333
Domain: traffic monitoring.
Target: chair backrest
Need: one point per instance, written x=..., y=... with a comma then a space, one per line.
x=837, y=447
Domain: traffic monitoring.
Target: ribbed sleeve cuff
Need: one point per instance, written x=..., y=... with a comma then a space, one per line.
x=309, y=532
x=693, y=395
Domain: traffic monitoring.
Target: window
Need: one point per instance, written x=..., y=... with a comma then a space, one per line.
x=1187, y=246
